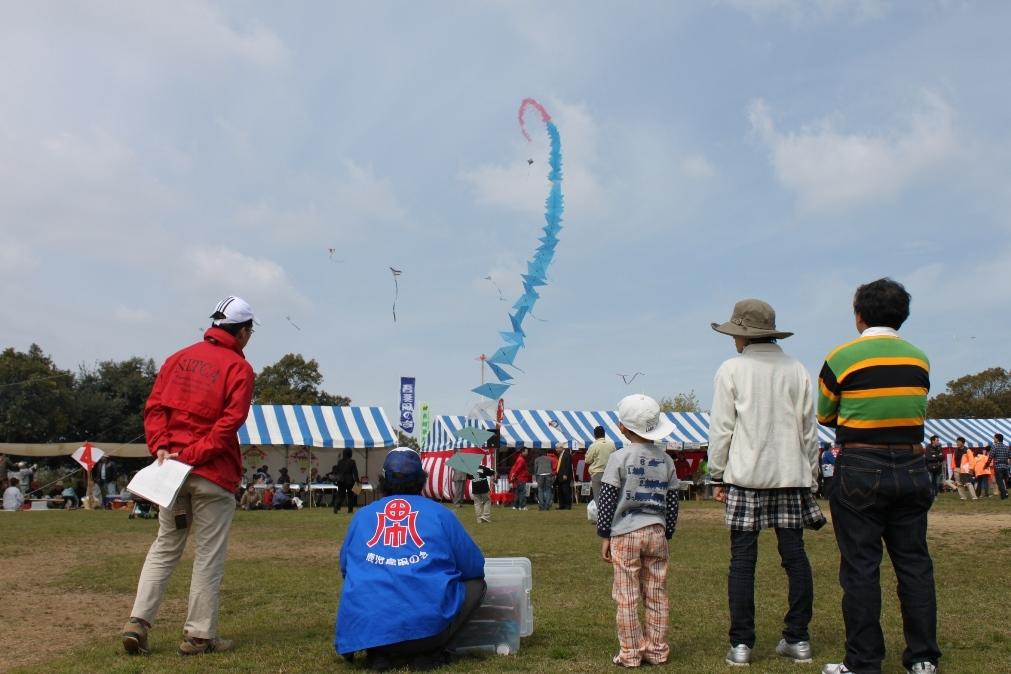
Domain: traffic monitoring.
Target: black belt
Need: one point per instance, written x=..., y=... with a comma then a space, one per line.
x=890, y=447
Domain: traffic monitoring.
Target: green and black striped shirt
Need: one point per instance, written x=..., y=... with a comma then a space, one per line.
x=874, y=389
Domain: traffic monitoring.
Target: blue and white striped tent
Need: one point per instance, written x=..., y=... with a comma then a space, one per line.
x=977, y=432
x=317, y=426
x=442, y=434
x=546, y=428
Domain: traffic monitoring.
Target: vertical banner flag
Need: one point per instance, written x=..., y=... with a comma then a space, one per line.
x=426, y=422
x=407, y=404
x=500, y=412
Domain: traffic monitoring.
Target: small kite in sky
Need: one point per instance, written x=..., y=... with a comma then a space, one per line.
x=293, y=323
x=501, y=297
x=530, y=162
x=396, y=291
x=628, y=379
x=333, y=251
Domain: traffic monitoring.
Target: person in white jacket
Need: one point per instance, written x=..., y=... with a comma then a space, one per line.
x=763, y=460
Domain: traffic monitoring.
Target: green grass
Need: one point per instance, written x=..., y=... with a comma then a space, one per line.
x=282, y=586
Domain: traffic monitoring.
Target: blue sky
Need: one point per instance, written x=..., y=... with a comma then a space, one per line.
x=155, y=157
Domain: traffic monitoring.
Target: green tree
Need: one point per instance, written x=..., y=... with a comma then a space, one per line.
x=404, y=440
x=293, y=381
x=110, y=400
x=986, y=394
x=36, y=397
x=682, y=402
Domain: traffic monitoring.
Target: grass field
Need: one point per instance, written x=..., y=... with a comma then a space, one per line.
x=69, y=579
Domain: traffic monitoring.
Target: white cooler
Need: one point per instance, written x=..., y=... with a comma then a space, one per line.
x=506, y=613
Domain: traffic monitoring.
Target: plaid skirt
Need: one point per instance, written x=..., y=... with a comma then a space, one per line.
x=757, y=509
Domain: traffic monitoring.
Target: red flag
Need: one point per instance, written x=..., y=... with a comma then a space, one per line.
x=500, y=412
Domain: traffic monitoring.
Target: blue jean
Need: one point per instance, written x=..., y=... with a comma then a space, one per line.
x=884, y=496
x=545, y=491
x=520, y=501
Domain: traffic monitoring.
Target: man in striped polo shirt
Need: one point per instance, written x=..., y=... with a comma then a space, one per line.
x=873, y=390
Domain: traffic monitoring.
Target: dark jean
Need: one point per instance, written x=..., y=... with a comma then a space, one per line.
x=1001, y=477
x=741, y=585
x=884, y=496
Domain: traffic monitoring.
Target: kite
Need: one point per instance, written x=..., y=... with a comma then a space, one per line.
x=473, y=435
x=465, y=462
x=537, y=266
x=629, y=379
x=501, y=297
x=332, y=252
x=293, y=323
x=396, y=291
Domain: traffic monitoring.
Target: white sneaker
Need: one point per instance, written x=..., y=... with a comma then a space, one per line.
x=739, y=656
x=798, y=652
x=923, y=668
x=837, y=668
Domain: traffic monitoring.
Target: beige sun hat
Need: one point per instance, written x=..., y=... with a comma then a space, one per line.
x=751, y=318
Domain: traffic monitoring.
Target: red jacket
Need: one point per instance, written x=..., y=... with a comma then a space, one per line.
x=519, y=473
x=199, y=401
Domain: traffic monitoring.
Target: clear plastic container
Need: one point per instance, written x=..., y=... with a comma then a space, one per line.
x=506, y=613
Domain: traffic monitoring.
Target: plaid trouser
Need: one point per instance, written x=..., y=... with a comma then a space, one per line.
x=640, y=568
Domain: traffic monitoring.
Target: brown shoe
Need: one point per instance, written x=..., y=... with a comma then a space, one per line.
x=135, y=637
x=194, y=646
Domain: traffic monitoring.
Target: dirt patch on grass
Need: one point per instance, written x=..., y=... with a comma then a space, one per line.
x=961, y=522
x=51, y=621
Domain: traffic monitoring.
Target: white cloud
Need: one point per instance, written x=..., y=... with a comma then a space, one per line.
x=186, y=30
x=697, y=166
x=327, y=209
x=828, y=169
x=220, y=271
x=521, y=186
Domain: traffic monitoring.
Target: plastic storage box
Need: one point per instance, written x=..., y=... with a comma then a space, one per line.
x=506, y=613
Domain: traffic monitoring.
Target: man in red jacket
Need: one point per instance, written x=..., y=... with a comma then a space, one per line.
x=519, y=476
x=199, y=401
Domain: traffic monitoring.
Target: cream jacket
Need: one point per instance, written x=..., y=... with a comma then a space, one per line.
x=762, y=430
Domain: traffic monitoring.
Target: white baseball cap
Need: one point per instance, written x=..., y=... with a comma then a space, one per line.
x=232, y=310
x=641, y=414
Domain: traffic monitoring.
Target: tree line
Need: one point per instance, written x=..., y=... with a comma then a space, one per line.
x=40, y=402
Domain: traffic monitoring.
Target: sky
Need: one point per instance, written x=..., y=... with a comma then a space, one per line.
x=157, y=157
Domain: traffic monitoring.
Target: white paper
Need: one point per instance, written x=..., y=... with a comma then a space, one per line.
x=160, y=483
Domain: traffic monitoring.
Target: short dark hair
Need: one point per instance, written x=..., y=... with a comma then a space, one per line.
x=999, y=437
x=934, y=437
x=960, y=439
x=598, y=432
x=882, y=303
x=346, y=454
x=410, y=488
x=233, y=328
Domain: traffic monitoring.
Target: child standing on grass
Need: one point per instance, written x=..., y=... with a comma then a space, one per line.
x=638, y=513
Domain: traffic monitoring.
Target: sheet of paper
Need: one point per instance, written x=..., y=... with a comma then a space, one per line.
x=160, y=483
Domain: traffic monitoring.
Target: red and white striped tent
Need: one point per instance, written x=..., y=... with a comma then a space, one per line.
x=440, y=476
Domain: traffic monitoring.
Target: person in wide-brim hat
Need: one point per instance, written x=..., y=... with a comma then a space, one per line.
x=752, y=318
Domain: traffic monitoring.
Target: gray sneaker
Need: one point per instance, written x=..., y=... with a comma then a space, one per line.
x=739, y=656
x=798, y=652
x=923, y=668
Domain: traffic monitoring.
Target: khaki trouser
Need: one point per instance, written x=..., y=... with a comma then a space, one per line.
x=482, y=507
x=208, y=510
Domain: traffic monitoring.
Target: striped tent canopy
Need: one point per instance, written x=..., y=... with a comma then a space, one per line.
x=977, y=432
x=440, y=476
x=442, y=434
x=546, y=428
x=317, y=426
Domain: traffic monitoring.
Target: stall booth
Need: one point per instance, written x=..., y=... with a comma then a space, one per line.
x=977, y=433
x=303, y=437
x=440, y=445
x=543, y=430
